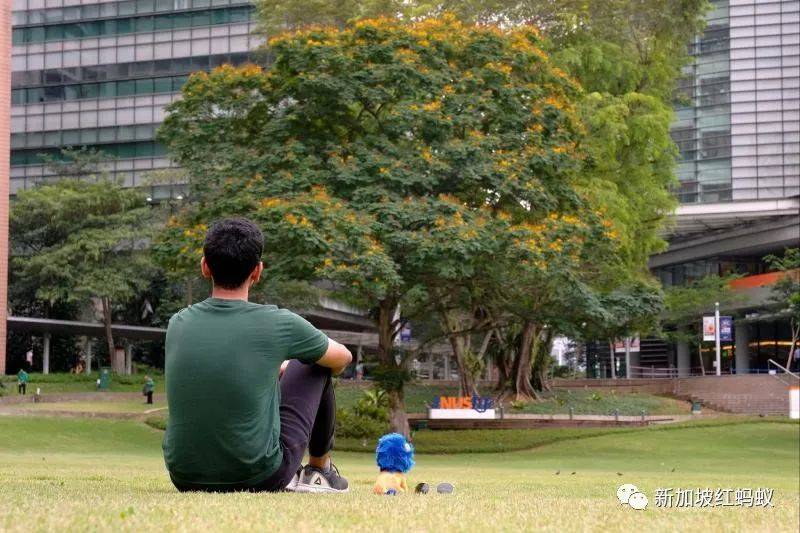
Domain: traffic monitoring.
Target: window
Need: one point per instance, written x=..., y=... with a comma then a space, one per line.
x=144, y=24
x=201, y=18
x=54, y=33
x=126, y=133
x=108, y=89
x=162, y=85
x=73, y=13
x=52, y=94
x=127, y=8
x=107, y=9
x=52, y=138
x=108, y=27
x=162, y=23
x=124, y=26
x=240, y=14
x=71, y=137
x=178, y=81
x=144, y=86
x=90, y=90
x=18, y=97
x=72, y=92
x=126, y=88
x=88, y=136
x=89, y=11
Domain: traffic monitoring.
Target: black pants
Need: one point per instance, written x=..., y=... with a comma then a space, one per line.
x=22, y=387
x=308, y=418
x=149, y=397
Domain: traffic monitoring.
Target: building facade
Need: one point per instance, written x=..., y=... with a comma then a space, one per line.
x=99, y=73
x=738, y=132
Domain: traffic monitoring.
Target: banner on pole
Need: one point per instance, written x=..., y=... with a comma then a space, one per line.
x=636, y=343
x=726, y=328
x=709, y=328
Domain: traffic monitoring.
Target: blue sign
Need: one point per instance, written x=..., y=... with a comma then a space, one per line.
x=726, y=329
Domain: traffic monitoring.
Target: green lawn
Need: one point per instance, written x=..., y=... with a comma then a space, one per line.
x=124, y=406
x=104, y=475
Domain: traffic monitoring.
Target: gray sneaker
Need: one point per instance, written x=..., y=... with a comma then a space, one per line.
x=292, y=486
x=315, y=480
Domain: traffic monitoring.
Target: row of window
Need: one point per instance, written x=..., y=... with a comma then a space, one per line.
x=120, y=150
x=112, y=9
x=108, y=89
x=87, y=136
x=98, y=28
x=121, y=71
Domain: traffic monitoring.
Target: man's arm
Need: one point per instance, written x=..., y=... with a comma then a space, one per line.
x=336, y=357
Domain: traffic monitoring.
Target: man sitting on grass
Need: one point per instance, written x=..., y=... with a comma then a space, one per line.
x=248, y=386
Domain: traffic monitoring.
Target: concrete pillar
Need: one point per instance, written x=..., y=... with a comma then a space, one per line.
x=88, y=369
x=742, y=350
x=5, y=153
x=128, y=359
x=684, y=359
x=447, y=366
x=431, y=365
x=46, y=354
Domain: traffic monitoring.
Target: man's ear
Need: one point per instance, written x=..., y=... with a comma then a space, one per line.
x=204, y=268
x=256, y=274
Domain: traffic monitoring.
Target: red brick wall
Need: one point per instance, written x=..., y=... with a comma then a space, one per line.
x=5, y=147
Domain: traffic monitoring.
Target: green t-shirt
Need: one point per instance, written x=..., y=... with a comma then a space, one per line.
x=222, y=363
x=22, y=376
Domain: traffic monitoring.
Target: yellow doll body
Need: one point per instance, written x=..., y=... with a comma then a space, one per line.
x=388, y=481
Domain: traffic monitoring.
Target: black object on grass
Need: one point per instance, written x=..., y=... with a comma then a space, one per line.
x=422, y=488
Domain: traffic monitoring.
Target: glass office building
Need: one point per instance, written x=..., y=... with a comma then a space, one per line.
x=738, y=127
x=99, y=73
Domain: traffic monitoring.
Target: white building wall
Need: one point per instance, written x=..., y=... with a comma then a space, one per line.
x=765, y=98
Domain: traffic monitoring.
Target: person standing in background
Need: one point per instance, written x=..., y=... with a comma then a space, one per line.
x=22, y=381
x=149, y=387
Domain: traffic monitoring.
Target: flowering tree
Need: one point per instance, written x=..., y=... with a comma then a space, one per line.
x=383, y=157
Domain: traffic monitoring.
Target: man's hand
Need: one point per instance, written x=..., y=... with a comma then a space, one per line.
x=337, y=357
x=283, y=368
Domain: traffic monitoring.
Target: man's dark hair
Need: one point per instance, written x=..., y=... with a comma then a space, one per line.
x=232, y=250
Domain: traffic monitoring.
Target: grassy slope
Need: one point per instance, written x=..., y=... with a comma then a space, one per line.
x=417, y=395
x=108, y=475
x=583, y=402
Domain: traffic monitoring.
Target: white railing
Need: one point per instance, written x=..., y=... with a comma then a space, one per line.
x=785, y=370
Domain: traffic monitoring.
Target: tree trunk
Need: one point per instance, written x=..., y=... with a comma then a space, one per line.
x=398, y=419
x=466, y=383
x=794, y=327
x=189, y=296
x=541, y=355
x=502, y=356
x=521, y=370
x=107, y=320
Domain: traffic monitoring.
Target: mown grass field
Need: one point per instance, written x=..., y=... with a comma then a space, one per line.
x=107, y=475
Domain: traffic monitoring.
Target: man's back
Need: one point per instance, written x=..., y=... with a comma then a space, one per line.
x=222, y=364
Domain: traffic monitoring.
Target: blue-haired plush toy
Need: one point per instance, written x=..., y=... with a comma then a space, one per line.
x=395, y=457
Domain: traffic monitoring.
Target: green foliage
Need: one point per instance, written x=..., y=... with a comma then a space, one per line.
x=368, y=419
x=786, y=291
x=391, y=378
x=75, y=240
x=685, y=305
